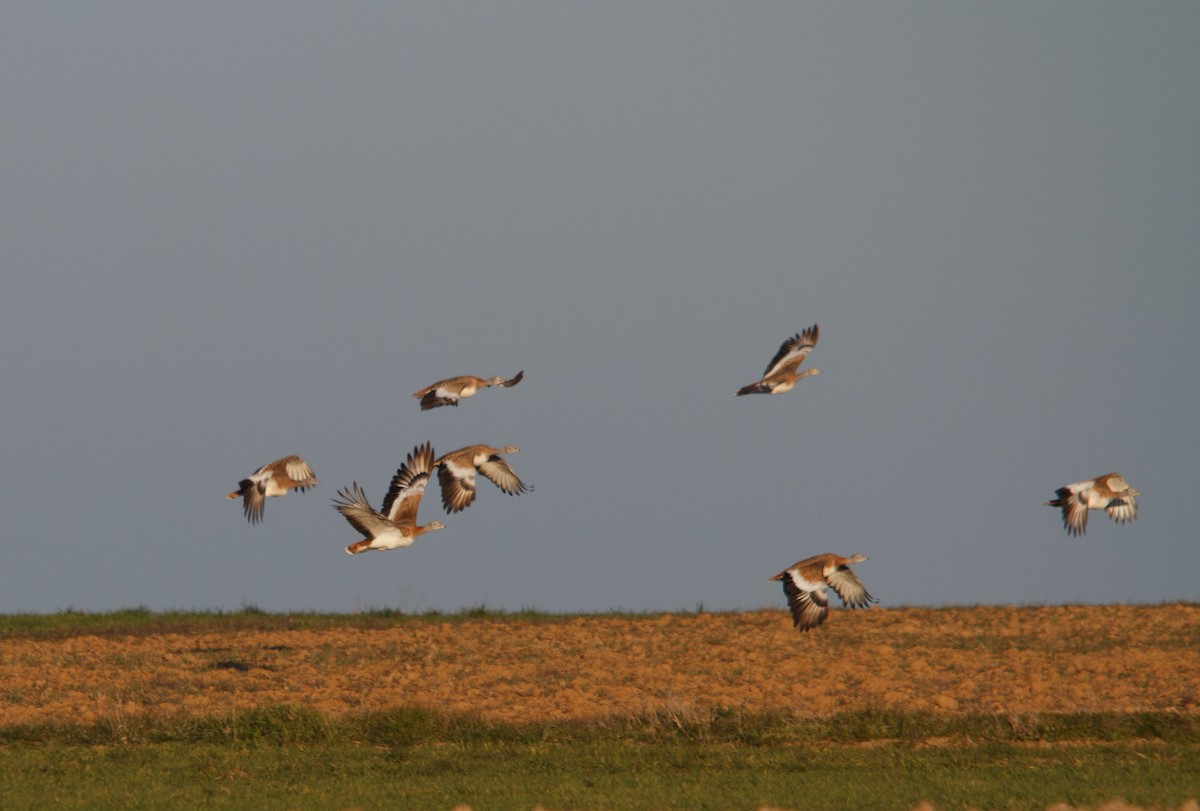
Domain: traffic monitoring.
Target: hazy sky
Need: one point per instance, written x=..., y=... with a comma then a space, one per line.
x=234, y=231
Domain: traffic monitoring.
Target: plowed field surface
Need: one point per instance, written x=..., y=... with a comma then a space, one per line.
x=957, y=660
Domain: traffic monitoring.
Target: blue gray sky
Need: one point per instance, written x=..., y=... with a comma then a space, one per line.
x=234, y=231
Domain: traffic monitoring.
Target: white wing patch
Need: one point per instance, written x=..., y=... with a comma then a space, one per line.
x=802, y=584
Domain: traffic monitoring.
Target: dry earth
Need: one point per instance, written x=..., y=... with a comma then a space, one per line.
x=961, y=660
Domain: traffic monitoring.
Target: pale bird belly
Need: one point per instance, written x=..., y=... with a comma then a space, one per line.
x=274, y=488
x=391, y=540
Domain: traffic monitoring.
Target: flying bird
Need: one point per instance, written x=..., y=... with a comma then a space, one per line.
x=781, y=374
x=451, y=390
x=275, y=479
x=807, y=585
x=456, y=474
x=397, y=524
x=1110, y=493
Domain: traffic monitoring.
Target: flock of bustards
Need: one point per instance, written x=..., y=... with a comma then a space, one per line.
x=806, y=583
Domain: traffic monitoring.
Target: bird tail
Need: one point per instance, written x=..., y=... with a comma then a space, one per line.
x=754, y=388
x=243, y=486
x=358, y=546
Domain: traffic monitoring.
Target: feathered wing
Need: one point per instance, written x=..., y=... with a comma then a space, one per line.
x=1072, y=499
x=419, y=394
x=353, y=505
x=508, y=384
x=793, y=351
x=254, y=497
x=458, y=485
x=408, y=485
x=807, y=600
x=436, y=399
x=500, y=474
x=298, y=471
x=761, y=387
x=253, y=491
x=1122, y=509
x=851, y=592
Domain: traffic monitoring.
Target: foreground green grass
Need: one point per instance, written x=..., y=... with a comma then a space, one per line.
x=593, y=775
x=290, y=757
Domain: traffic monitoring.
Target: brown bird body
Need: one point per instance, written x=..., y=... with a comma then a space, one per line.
x=274, y=479
x=449, y=391
x=456, y=474
x=806, y=585
x=1110, y=493
x=781, y=374
x=396, y=525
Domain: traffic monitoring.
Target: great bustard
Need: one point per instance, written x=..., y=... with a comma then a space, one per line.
x=396, y=525
x=274, y=479
x=456, y=474
x=1110, y=493
x=806, y=585
x=452, y=389
x=781, y=374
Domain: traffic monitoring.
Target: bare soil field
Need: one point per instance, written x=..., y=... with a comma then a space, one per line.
x=1014, y=661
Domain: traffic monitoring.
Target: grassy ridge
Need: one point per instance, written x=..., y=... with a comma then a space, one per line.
x=143, y=621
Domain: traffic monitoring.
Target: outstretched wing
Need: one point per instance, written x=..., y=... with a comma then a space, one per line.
x=508, y=384
x=352, y=503
x=793, y=351
x=408, y=485
x=500, y=474
x=851, y=592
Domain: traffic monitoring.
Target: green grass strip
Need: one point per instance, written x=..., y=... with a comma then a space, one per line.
x=597, y=773
x=409, y=726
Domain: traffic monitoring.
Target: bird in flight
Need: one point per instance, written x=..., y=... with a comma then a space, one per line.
x=274, y=479
x=807, y=585
x=456, y=474
x=449, y=391
x=1110, y=493
x=781, y=374
x=396, y=525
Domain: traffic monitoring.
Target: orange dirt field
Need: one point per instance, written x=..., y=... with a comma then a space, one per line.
x=1004, y=660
